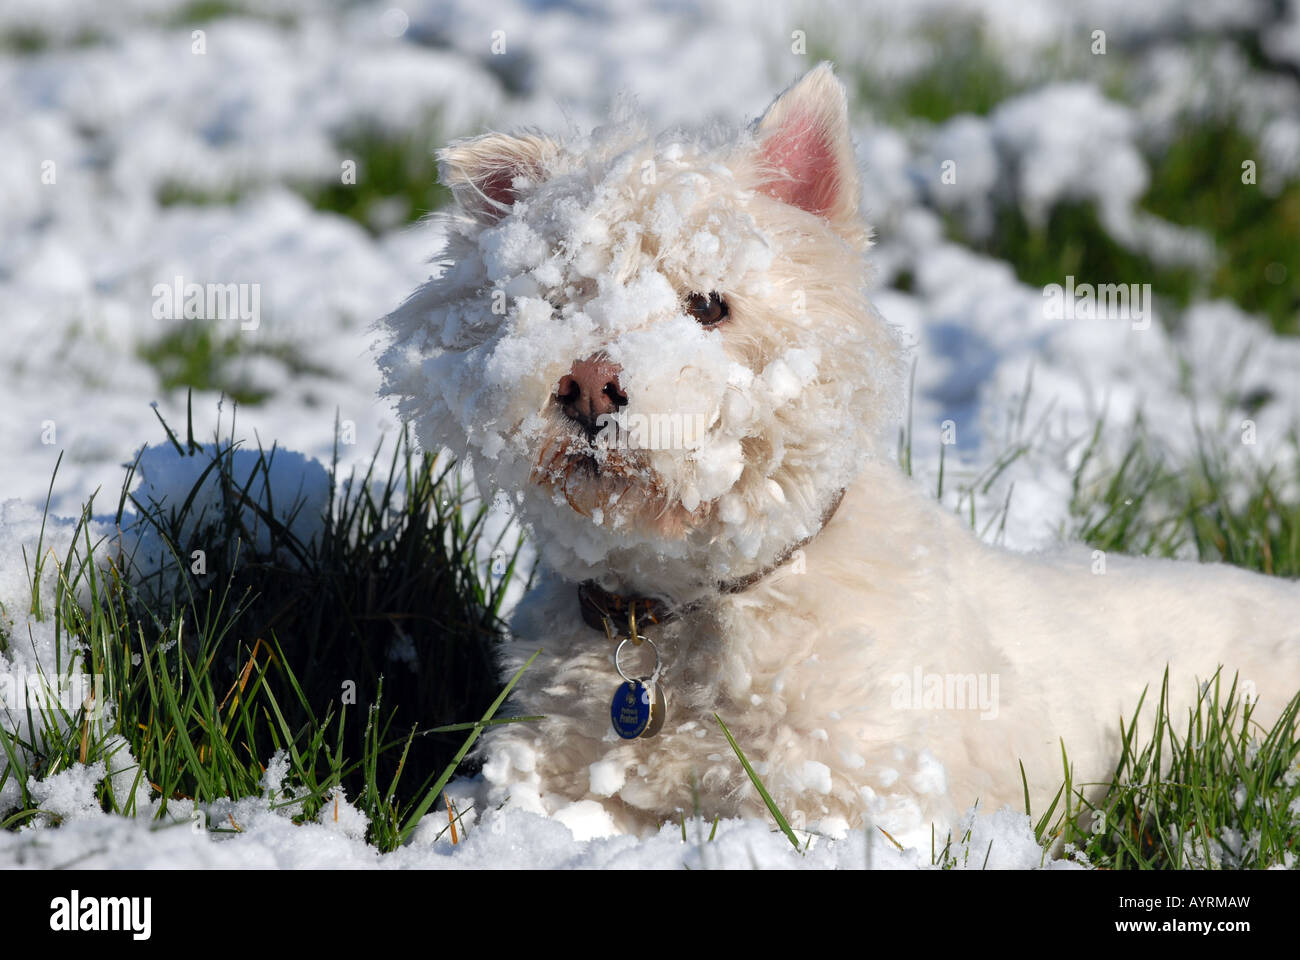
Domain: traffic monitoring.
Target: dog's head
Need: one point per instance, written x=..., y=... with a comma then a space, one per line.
x=660, y=347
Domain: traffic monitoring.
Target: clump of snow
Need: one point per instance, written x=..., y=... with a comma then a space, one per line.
x=275, y=785
x=1003, y=840
x=1085, y=153
x=587, y=820
x=126, y=780
x=189, y=489
x=817, y=776
x=338, y=815
x=607, y=777
x=68, y=794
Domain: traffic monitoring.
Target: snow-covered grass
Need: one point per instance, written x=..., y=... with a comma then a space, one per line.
x=253, y=633
x=1212, y=789
x=1212, y=504
x=128, y=158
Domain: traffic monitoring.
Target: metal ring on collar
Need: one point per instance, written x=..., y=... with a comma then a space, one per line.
x=620, y=650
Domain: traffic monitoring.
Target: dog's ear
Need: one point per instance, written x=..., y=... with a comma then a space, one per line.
x=484, y=172
x=805, y=150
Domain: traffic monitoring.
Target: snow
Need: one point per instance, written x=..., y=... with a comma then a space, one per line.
x=269, y=104
x=69, y=794
x=511, y=839
x=291, y=487
x=607, y=777
x=1085, y=153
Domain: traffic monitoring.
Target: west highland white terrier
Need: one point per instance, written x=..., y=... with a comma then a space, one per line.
x=661, y=348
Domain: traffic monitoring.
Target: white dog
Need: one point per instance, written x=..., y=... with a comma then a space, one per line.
x=662, y=350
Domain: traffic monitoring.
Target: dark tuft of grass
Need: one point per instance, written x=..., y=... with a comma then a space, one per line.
x=349, y=657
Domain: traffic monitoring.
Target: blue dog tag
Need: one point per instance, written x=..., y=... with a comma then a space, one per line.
x=630, y=709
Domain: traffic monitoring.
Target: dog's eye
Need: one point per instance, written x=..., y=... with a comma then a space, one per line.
x=709, y=309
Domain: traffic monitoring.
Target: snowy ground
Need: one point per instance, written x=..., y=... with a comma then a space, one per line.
x=512, y=839
x=119, y=104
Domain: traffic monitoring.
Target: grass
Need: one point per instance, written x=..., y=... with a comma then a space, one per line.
x=1196, y=177
x=33, y=40
x=1073, y=242
x=954, y=856
x=963, y=74
x=28, y=41
x=1216, y=506
x=1210, y=790
x=394, y=183
x=1213, y=791
x=193, y=356
x=396, y=178
x=352, y=656
x=768, y=802
x=1197, y=182
x=202, y=12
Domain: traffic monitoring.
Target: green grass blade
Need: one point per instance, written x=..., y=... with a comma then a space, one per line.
x=758, y=784
x=436, y=790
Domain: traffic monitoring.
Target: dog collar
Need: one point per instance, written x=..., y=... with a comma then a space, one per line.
x=602, y=608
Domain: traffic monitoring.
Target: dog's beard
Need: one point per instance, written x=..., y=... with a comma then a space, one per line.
x=613, y=486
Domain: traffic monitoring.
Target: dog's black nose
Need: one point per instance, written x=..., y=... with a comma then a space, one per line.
x=591, y=390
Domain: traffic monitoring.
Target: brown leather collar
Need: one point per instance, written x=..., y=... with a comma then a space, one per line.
x=600, y=606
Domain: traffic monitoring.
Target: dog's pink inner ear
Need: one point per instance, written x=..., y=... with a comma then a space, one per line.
x=499, y=186
x=482, y=171
x=492, y=191
x=802, y=150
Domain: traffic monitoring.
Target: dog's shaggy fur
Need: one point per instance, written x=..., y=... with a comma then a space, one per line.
x=562, y=252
